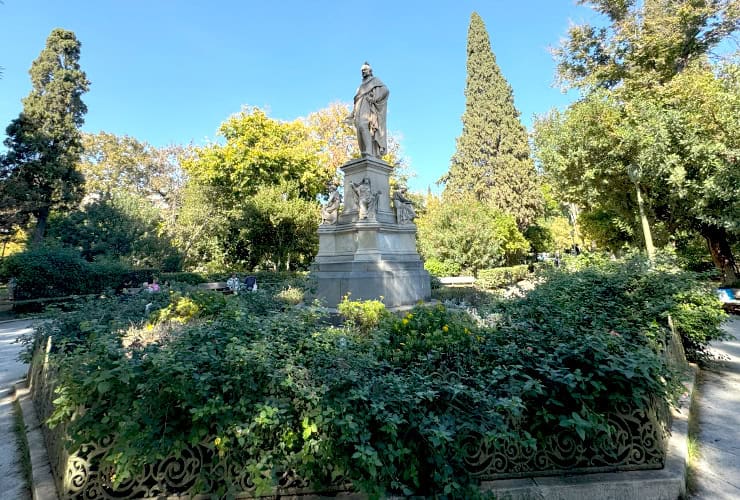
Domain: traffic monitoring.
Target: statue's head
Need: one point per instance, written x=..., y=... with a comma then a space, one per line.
x=366, y=70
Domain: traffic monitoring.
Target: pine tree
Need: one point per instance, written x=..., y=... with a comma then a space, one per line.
x=37, y=174
x=492, y=159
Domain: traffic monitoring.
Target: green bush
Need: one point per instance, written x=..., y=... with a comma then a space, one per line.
x=437, y=268
x=500, y=277
x=183, y=277
x=364, y=314
x=630, y=297
x=58, y=272
x=389, y=403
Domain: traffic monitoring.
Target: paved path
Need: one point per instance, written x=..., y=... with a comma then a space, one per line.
x=718, y=469
x=12, y=483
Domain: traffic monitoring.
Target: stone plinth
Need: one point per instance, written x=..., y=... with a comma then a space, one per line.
x=373, y=257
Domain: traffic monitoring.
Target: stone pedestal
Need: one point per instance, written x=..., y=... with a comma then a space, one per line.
x=370, y=258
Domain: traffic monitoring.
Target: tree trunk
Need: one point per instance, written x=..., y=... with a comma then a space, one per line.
x=42, y=215
x=719, y=248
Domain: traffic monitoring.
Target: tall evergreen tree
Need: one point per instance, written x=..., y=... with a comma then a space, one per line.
x=492, y=159
x=37, y=174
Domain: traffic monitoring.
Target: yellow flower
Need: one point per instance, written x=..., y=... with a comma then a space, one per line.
x=467, y=331
x=445, y=328
x=405, y=321
x=409, y=316
x=217, y=441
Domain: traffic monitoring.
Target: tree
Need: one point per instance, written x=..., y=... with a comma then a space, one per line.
x=652, y=105
x=259, y=151
x=122, y=226
x=110, y=162
x=643, y=41
x=37, y=174
x=492, y=160
x=282, y=230
x=261, y=190
x=468, y=234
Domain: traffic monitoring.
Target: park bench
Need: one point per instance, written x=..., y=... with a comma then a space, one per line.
x=457, y=280
x=216, y=286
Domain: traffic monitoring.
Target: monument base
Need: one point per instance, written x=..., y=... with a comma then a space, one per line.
x=374, y=258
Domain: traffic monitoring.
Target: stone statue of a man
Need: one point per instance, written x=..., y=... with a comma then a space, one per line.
x=368, y=114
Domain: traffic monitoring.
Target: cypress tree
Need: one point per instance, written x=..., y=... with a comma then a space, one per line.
x=492, y=159
x=38, y=174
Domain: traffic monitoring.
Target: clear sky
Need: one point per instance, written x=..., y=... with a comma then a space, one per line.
x=170, y=71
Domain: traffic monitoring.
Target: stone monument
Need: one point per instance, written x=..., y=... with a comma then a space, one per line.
x=368, y=250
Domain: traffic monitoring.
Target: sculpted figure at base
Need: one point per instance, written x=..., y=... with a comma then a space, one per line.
x=330, y=211
x=368, y=114
x=366, y=201
x=405, y=212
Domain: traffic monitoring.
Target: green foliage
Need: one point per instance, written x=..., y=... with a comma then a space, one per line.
x=392, y=407
x=258, y=151
x=113, y=163
x=251, y=201
x=630, y=298
x=183, y=277
x=363, y=314
x=121, y=227
x=652, y=102
x=183, y=307
x=606, y=229
x=435, y=267
x=59, y=272
x=492, y=160
x=45, y=272
x=469, y=234
x=278, y=227
x=501, y=276
x=643, y=41
x=37, y=173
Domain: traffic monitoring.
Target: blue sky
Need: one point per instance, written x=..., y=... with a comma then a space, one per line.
x=170, y=71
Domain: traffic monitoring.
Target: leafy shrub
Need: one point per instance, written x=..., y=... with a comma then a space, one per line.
x=58, y=272
x=183, y=277
x=364, y=314
x=590, y=292
x=389, y=403
x=436, y=267
x=183, y=307
x=291, y=296
x=501, y=276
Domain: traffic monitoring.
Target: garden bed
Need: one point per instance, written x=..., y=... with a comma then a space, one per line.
x=247, y=394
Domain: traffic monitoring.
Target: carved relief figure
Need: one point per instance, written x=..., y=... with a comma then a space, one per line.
x=330, y=211
x=405, y=212
x=367, y=201
x=369, y=113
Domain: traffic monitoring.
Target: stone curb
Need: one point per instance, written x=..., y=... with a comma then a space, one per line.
x=668, y=483
x=43, y=487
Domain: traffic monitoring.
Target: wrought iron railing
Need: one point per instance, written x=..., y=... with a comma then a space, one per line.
x=637, y=440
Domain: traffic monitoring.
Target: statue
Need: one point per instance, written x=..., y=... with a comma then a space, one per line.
x=330, y=211
x=368, y=114
x=366, y=201
x=405, y=212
